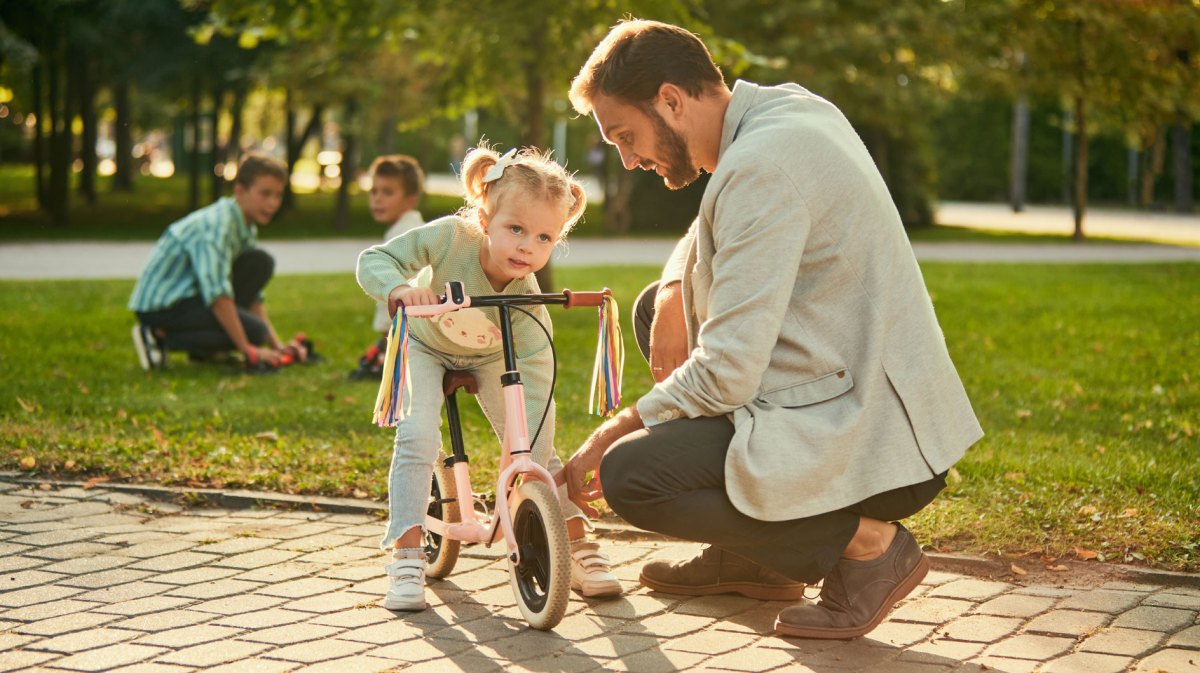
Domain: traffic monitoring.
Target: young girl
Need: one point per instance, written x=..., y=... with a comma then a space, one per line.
x=397, y=183
x=519, y=206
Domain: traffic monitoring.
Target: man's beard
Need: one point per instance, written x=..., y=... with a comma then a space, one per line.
x=679, y=171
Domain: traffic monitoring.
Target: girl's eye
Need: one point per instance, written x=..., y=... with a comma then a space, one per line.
x=545, y=238
x=515, y=228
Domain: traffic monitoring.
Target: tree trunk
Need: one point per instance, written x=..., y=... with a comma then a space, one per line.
x=617, y=218
x=123, y=138
x=60, y=129
x=349, y=164
x=1079, y=206
x=1152, y=166
x=1020, y=155
x=194, y=156
x=216, y=162
x=296, y=145
x=1182, y=151
x=40, y=185
x=233, y=147
x=86, y=97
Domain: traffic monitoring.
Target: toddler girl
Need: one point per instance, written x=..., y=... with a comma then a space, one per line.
x=519, y=207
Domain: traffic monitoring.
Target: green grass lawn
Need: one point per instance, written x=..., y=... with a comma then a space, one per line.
x=1084, y=379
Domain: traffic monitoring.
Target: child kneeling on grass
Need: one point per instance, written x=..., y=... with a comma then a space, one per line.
x=519, y=207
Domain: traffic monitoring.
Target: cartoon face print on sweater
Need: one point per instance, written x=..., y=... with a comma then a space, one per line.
x=469, y=328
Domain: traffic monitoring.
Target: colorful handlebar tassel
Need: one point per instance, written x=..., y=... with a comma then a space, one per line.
x=395, y=388
x=605, y=394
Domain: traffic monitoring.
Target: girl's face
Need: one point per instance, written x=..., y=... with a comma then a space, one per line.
x=389, y=201
x=521, y=234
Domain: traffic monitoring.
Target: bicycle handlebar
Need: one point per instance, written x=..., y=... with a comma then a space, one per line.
x=454, y=299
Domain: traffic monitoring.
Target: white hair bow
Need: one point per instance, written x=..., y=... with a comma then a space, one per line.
x=497, y=171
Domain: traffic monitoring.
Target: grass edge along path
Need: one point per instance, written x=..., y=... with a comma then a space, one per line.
x=1081, y=377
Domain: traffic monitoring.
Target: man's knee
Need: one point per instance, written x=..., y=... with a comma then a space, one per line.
x=620, y=474
x=257, y=261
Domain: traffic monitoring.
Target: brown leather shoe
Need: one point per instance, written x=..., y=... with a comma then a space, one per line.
x=857, y=595
x=719, y=572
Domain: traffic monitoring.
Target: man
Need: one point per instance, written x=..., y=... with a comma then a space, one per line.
x=804, y=396
x=201, y=289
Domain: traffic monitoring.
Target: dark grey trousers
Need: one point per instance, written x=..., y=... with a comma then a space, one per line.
x=670, y=479
x=190, y=324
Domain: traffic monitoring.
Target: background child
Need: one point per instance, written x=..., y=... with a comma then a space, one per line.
x=397, y=184
x=519, y=207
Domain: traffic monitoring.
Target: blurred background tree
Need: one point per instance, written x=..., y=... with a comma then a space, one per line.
x=1025, y=101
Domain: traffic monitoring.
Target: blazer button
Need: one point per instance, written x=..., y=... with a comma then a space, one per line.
x=841, y=375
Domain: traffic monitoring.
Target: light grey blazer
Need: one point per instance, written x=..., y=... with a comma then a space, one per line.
x=809, y=320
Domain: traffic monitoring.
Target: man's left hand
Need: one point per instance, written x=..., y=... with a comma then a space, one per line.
x=581, y=474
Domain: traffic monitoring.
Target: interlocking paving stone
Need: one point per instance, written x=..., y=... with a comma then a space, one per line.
x=141, y=606
x=263, y=619
x=1173, y=600
x=1088, y=662
x=309, y=653
x=23, y=660
x=215, y=589
x=1025, y=646
x=163, y=621
x=1187, y=638
x=108, y=658
x=236, y=605
x=1171, y=659
x=211, y=654
x=980, y=628
x=106, y=578
x=256, y=665
x=125, y=592
x=188, y=635
x=195, y=575
x=1067, y=622
x=1166, y=620
x=257, y=559
x=65, y=623
x=40, y=611
x=1103, y=600
x=357, y=663
x=1126, y=642
x=292, y=633
x=62, y=551
x=28, y=578
x=177, y=561
x=1015, y=605
x=83, y=640
x=972, y=589
x=931, y=610
x=36, y=594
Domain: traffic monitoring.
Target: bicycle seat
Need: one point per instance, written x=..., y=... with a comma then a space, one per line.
x=452, y=381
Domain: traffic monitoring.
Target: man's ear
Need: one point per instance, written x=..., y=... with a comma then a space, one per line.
x=670, y=100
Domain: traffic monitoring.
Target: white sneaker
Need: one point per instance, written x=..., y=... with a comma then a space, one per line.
x=407, y=590
x=150, y=354
x=590, y=572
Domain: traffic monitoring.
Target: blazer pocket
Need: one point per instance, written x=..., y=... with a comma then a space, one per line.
x=812, y=391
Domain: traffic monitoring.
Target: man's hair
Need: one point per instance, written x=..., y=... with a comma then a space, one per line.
x=637, y=57
x=402, y=167
x=255, y=164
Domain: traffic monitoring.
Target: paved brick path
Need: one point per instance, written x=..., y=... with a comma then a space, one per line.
x=99, y=580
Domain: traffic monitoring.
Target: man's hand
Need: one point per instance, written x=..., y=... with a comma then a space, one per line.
x=404, y=295
x=581, y=474
x=668, y=332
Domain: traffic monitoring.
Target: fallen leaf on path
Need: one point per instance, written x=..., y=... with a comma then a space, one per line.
x=1058, y=568
x=1087, y=509
x=28, y=463
x=91, y=483
x=268, y=435
x=1018, y=569
x=1084, y=554
x=27, y=406
x=1131, y=511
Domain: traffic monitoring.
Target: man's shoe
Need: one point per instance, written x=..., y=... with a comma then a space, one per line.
x=591, y=575
x=151, y=354
x=720, y=572
x=857, y=595
x=407, y=588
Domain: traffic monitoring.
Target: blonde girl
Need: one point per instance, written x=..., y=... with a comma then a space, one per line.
x=519, y=206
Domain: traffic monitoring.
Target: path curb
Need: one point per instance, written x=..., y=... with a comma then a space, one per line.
x=976, y=566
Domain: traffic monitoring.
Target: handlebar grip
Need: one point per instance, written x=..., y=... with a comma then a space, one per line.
x=586, y=298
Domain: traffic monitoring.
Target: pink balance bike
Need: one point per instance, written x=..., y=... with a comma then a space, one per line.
x=527, y=511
